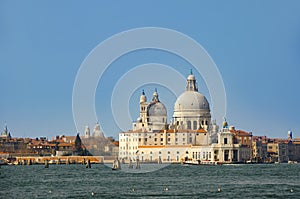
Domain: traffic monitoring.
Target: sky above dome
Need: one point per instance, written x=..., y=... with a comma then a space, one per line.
x=255, y=45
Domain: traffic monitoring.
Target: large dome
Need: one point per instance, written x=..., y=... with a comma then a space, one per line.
x=191, y=109
x=191, y=101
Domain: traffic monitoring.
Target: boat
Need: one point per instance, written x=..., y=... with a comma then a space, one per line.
x=199, y=162
x=116, y=165
x=292, y=162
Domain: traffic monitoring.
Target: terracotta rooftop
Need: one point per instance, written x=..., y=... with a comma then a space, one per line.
x=241, y=133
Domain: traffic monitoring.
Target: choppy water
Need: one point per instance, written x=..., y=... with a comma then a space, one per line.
x=173, y=181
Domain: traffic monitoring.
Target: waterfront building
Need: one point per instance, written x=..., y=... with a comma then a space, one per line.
x=190, y=135
x=272, y=150
x=259, y=149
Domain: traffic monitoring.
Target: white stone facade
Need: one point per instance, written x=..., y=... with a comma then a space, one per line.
x=191, y=134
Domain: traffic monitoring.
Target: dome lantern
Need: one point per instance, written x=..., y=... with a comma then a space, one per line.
x=191, y=83
x=155, y=96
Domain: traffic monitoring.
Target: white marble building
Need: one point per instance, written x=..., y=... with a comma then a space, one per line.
x=190, y=135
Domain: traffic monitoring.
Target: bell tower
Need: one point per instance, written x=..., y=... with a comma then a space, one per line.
x=143, y=107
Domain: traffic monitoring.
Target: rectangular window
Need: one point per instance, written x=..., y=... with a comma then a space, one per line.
x=195, y=125
x=188, y=124
x=161, y=139
x=225, y=140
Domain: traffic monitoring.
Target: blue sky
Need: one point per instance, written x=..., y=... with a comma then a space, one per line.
x=255, y=45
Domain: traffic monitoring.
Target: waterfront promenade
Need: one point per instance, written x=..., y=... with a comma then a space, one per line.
x=59, y=160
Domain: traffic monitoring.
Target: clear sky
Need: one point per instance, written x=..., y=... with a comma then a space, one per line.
x=255, y=44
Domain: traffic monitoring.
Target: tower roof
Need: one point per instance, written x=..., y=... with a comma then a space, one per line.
x=143, y=97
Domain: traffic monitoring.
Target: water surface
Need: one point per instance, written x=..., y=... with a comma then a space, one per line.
x=173, y=181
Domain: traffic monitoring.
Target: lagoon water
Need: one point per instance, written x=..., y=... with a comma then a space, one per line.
x=173, y=181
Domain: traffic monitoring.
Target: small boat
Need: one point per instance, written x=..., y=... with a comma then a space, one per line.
x=199, y=162
x=116, y=165
x=292, y=162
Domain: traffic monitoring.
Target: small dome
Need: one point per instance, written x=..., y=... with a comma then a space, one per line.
x=225, y=124
x=191, y=100
x=157, y=109
x=139, y=119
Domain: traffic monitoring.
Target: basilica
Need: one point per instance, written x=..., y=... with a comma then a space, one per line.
x=191, y=134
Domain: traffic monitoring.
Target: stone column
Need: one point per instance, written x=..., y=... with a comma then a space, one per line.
x=165, y=137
